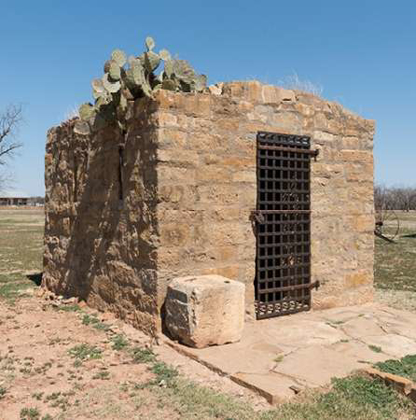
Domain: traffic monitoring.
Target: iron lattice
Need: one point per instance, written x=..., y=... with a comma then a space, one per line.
x=283, y=216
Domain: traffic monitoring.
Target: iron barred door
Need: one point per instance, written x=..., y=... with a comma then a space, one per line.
x=283, y=222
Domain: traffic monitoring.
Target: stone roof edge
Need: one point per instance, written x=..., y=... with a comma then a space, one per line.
x=262, y=93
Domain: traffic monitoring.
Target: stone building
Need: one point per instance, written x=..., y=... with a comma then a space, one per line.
x=267, y=186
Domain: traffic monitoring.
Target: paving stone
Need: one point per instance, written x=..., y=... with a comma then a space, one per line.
x=398, y=322
x=277, y=355
x=361, y=327
x=275, y=388
x=303, y=332
x=392, y=344
x=359, y=351
x=253, y=354
x=316, y=365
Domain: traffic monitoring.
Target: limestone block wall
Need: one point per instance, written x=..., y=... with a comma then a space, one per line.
x=189, y=184
x=207, y=186
x=100, y=233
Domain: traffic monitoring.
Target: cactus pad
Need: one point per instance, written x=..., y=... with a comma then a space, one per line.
x=168, y=68
x=200, y=83
x=137, y=73
x=121, y=84
x=119, y=57
x=107, y=66
x=86, y=111
x=150, y=43
x=82, y=128
x=151, y=61
x=183, y=71
x=114, y=70
x=164, y=55
x=97, y=85
x=111, y=87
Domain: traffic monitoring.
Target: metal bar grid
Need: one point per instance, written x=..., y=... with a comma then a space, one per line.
x=283, y=273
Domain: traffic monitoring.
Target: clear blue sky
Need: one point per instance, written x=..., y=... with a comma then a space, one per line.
x=363, y=54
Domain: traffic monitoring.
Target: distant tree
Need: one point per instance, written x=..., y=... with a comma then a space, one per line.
x=394, y=198
x=10, y=121
x=404, y=198
x=382, y=198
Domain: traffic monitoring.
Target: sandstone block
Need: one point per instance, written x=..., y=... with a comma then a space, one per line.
x=205, y=310
x=358, y=278
x=275, y=95
x=216, y=89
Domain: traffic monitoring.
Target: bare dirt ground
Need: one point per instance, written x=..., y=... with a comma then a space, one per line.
x=61, y=360
x=73, y=363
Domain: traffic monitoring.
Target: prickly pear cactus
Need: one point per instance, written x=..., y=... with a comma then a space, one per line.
x=119, y=57
x=150, y=43
x=126, y=80
x=86, y=111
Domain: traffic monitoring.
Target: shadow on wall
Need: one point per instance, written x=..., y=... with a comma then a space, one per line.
x=110, y=250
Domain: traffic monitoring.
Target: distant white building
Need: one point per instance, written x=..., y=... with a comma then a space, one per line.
x=13, y=198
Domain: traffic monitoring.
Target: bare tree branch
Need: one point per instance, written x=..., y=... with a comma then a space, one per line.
x=10, y=121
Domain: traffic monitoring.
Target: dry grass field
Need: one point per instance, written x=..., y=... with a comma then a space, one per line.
x=395, y=265
x=21, y=243
x=68, y=362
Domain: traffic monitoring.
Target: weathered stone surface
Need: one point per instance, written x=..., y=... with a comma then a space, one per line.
x=205, y=310
x=189, y=183
x=281, y=356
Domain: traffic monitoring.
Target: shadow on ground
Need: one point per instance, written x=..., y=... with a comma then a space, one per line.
x=35, y=278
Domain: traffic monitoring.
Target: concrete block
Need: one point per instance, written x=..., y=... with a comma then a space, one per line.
x=205, y=310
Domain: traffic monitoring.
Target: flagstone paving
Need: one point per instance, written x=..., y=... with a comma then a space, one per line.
x=279, y=357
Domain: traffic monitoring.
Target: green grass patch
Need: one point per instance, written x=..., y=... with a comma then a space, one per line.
x=94, y=322
x=38, y=395
x=103, y=375
x=119, y=342
x=354, y=397
x=375, y=349
x=279, y=358
x=405, y=367
x=13, y=286
x=164, y=372
x=29, y=413
x=335, y=322
x=85, y=352
x=395, y=264
x=53, y=396
x=21, y=249
x=143, y=355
